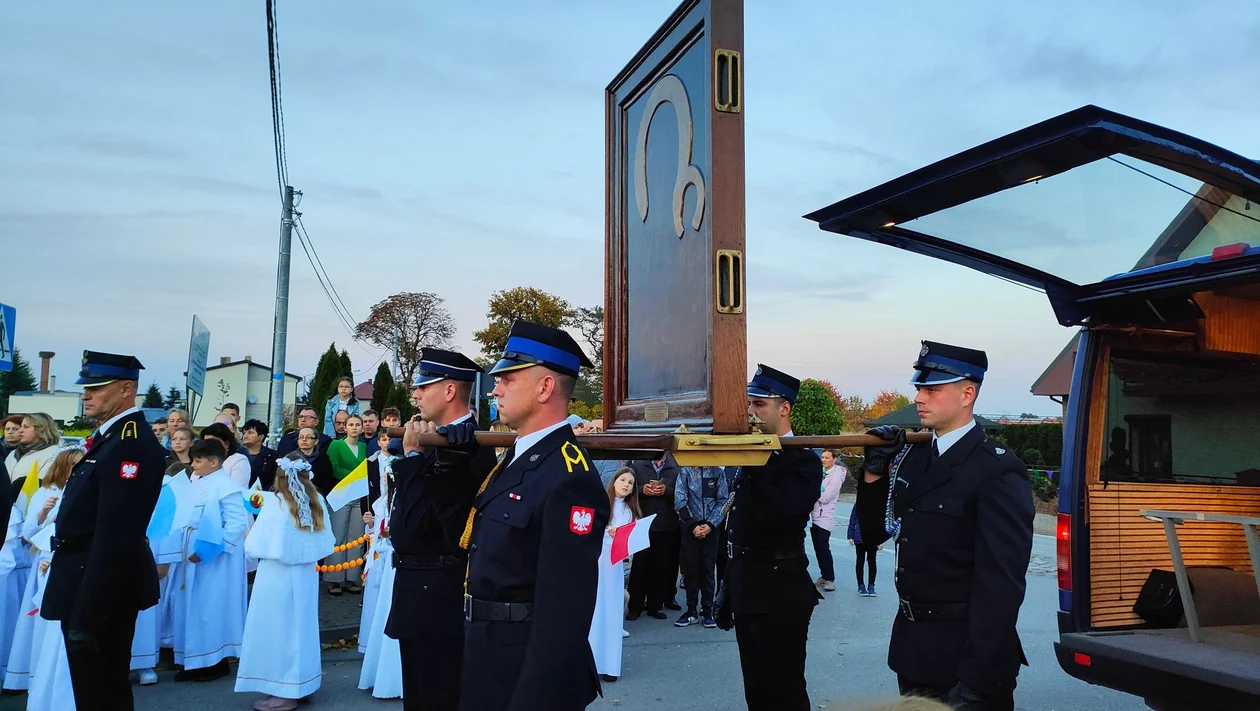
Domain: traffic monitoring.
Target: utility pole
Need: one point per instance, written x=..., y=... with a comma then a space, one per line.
x=275, y=422
x=396, y=369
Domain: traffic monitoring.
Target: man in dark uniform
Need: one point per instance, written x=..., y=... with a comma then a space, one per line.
x=768, y=594
x=533, y=540
x=426, y=520
x=102, y=571
x=964, y=508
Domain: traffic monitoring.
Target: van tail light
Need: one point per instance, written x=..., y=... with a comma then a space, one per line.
x=1063, y=549
x=1082, y=659
x=1229, y=251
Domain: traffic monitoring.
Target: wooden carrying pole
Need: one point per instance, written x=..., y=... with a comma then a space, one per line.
x=651, y=446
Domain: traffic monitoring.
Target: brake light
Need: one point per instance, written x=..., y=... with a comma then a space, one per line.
x=1082, y=659
x=1063, y=549
x=1229, y=251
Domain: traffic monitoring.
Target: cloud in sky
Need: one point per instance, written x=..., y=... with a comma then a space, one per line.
x=459, y=149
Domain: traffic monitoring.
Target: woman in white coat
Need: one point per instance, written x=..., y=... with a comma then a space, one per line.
x=606, y=625
x=280, y=656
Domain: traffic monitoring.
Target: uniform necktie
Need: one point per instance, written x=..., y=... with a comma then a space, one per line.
x=936, y=453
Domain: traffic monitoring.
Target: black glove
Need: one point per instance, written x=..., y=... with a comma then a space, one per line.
x=877, y=459
x=965, y=698
x=725, y=618
x=461, y=434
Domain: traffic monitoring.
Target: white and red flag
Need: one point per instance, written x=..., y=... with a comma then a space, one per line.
x=630, y=538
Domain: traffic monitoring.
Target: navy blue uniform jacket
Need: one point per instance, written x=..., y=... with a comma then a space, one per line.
x=103, y=564
x=966, y=536
x=536, y=538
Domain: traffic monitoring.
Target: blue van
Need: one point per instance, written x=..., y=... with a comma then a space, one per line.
x=1158, y=551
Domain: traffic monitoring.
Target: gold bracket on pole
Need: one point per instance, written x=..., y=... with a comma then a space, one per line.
x=706, y=450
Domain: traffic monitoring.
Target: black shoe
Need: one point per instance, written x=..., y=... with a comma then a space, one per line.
x=632, y=616
x=671, y=605
x=607, y=677
x=657, y=614
x=210, y=673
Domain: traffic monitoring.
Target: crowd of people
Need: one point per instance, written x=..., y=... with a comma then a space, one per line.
x=215, y=546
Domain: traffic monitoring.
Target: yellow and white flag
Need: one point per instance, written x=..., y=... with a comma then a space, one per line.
x=350, y=489
x=29, y=487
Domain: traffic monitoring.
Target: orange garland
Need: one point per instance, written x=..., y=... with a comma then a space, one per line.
x=338, y=549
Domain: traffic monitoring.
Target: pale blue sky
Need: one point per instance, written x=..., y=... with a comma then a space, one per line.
x=137, y=179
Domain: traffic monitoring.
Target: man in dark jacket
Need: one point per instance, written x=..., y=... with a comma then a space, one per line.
x=963, y=512
x=654, y=571
x=768, y=596
x=307, y=417
x=427, y=517
x=533, y=541
x=102, y=571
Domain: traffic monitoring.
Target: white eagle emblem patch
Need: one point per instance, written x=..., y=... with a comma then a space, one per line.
x=580, y=520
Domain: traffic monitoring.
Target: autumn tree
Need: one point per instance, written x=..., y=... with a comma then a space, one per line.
x=885, y=402
x=418, y=318
x=816, y=411
x=525, y=303
x=853, y=410
x=382, y=386
x=589, y=322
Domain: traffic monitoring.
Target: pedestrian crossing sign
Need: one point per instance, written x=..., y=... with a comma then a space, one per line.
x=8, y=315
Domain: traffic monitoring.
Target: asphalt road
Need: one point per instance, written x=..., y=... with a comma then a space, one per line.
x=698, y=669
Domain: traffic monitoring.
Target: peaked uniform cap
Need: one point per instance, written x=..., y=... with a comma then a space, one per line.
x=941, y=363
x=438, y=364
x=531, y=344
x=104, y=368
x=768, y=382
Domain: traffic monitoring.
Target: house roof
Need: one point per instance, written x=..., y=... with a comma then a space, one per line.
x=908, y=418
x=251, y=364
x=363, y=391
x=1056, y=379
x=47, y=392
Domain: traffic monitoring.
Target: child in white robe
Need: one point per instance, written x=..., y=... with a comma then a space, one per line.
x=281, y=653
x=37, y=531
x=214, y=594
x=15, y=568
x=606, y=624
x=382, y=661
x=172, y=580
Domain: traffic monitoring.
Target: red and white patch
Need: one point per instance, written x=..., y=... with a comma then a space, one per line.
x=581, y=519
x=129, y=470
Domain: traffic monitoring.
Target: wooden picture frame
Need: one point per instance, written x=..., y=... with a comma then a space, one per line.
x=675, y=349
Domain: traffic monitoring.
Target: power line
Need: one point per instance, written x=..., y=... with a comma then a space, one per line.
x=306, y=236
x=344, y=317
x=277, y=114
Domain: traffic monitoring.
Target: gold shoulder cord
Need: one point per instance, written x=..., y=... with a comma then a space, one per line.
x=465, y=538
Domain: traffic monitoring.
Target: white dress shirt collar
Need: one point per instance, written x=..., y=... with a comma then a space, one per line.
x=524, y=442
x=945, y=441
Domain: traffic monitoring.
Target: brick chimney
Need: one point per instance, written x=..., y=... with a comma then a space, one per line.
x=45, y=363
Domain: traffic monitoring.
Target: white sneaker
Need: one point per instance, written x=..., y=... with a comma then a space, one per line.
x=624, y=633
x=148, y=677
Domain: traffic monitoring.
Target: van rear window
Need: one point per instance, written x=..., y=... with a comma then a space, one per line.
x=1184, y=420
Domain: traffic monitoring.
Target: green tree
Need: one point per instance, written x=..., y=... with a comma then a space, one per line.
x=347, y=370
x=20, y=379
x=853, y=410
x=173, y=398
x=589, y=321
x=324, y=384
x=816, y=411
x=382, y=386
x=152, y=396
x=400, y=398
x=525, y=303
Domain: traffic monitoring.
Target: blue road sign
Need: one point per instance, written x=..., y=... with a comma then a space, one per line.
x=8, y=316
x=198, y=351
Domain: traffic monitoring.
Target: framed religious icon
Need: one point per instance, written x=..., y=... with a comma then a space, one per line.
x=675, y=350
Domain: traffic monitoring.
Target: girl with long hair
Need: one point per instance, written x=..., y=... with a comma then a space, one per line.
x=346, y=455
x=280, y=654
x=606, y=625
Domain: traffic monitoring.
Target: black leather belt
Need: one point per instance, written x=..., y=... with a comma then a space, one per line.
x=426, y=562
x=735, y=552
x=933, y=611
x=485, y=611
